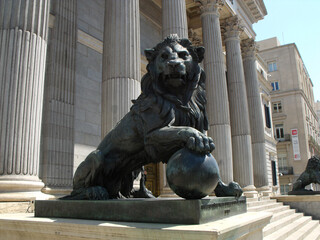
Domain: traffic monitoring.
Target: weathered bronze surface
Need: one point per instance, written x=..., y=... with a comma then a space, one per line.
x=310, y=175
x=170, y=114
x=174, y=211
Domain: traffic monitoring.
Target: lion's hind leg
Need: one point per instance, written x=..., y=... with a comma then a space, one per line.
x=91, y=193
x=85, y=186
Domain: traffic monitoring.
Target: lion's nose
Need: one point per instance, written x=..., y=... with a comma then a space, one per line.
x=173, y=63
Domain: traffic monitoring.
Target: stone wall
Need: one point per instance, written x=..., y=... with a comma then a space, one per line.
x=88, y=78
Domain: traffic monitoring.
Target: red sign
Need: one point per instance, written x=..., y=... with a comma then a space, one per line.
x=294, y=132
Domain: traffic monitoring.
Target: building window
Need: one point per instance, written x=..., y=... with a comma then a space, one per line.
x=279, y=132
x=267, y=115
x=272, y=66
x=275, y=86
x=277, y=107
x=282, y=161
x=274, y=173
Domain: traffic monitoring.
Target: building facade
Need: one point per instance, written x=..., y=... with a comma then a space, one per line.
x=296, y=124
x=69, y=70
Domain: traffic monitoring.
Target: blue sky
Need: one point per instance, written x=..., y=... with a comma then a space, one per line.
x=295, y=21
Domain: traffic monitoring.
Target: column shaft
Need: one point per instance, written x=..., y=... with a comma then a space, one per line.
x=174, y=18
x=216, y=88
x=58, y=114
x=23, y=46
x=121, y=60
x=239, y=115
x=255, y=114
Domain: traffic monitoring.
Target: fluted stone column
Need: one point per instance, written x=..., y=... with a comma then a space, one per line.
x=58, y=114
x=174, y=21
x=239, y=114
x=23, y=47
x=216, y=88
x=255, y=114
x=121, y=60
x=174, y=18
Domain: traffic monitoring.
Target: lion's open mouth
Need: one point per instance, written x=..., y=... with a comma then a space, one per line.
x=175, y=80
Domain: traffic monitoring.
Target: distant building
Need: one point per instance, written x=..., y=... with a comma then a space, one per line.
x=265, y=89
x=295, y=121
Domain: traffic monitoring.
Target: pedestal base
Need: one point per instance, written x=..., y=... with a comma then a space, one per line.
x=175, y=210
x=246, y=226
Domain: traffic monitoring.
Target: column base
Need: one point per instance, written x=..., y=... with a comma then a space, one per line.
x=21, y=190
x=56, y=192
x=166, y=192
x=264, y=191
x=250, y=192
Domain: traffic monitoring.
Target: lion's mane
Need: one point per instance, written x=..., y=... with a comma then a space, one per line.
x=193, y=112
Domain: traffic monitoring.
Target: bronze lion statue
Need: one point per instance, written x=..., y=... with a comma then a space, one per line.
x=169, y=114
x=310, y=175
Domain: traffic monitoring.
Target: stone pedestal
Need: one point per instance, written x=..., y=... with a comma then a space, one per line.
x=58, y=118
x=239, y=114
x=169, y=210
x=216, y=88
x=23, y=47
x=243, y=226
x=255, y=114
x=121, y=61
x=174, y=18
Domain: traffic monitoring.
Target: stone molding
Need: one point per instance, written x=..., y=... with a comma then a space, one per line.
x=194, y=38
x=231, y=28
x=211, y=6
x=248, y=48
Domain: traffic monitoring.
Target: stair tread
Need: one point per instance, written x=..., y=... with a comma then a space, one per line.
x=315, y=234
x=260, y=203
x=303, y=231
x=266, y=206
x=285, y=220
x=281, y=214
x=289, y=229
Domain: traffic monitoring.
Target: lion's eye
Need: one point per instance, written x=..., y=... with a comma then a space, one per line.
x=164, y=55
x=183, y=55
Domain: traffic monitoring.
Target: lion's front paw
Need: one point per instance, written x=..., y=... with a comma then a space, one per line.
x=199, y=142
x=233, y=189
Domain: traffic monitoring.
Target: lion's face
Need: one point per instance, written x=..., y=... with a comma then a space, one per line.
x=174, y=67
x=314, y=164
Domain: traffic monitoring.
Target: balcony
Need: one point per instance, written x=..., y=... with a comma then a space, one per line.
x=286, y=170
x=286, y=138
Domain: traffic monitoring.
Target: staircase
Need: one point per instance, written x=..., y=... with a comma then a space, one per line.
x=285, y=222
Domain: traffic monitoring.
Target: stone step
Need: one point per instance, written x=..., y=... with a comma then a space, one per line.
x=285, y=231
x=314, y=235
x=285, y=221
x=303, y=231
x=278, y=209
x=272, y=209
x=282, y=214
x=265, y=198
x=265, y=207
x=260, y=203
x=252, y=200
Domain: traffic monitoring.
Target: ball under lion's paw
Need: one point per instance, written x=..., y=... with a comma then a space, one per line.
x=192, y=175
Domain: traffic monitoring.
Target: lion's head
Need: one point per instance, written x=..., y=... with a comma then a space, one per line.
x=174, y=74
x=313, y=164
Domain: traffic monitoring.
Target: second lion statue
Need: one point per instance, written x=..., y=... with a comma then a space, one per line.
x=169, y=114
